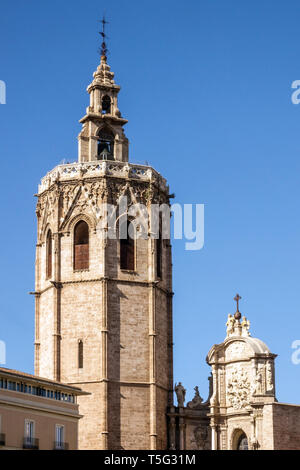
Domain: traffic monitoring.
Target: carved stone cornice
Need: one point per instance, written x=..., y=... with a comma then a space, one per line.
x=116, y=169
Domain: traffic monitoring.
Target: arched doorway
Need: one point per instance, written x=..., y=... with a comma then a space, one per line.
x=239, y=440
x=242, y=442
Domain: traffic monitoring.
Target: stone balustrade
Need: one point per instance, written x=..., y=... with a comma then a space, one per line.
x=102, y=168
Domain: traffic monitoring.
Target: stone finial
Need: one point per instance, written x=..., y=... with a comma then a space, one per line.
x=103, y=76
x=236, y=327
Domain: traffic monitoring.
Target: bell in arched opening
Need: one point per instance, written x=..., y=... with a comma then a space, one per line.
x=105, y=145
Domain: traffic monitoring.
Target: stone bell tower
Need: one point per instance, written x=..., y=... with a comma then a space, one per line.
x=104, y=305
x=102, y=136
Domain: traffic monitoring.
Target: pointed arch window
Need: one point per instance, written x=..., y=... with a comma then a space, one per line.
x=81, y=246
x=80, y=354
x=127, y=251
x=106, y=140
x=49, y=255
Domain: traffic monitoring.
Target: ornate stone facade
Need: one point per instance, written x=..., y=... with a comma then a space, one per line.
x=243, y=406
x=242, y=411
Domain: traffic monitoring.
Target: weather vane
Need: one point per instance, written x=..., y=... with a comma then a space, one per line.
x=103, y=51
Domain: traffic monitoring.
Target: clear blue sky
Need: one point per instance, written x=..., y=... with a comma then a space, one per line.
x=206, y=86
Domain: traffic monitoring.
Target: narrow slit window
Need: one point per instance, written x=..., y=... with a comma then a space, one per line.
x=81, y=246
x=127, y=249
x=80, y=354
x=49, y=255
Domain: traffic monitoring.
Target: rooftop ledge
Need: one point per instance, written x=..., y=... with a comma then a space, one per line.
x=110, y=168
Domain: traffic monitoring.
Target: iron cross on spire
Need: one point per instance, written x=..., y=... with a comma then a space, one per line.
x=103, y=51
x=237, y=314
x=237, y=299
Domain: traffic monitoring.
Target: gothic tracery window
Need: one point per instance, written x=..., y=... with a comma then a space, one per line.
x=49, y=255
x=81, y=246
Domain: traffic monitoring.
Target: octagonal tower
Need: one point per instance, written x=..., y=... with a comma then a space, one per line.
x=104, y=306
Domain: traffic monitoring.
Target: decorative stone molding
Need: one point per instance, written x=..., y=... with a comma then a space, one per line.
x=269, y=377
x=115, y=169
x=200, y=440
x=238, y=389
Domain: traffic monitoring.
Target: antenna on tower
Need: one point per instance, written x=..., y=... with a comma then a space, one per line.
x=103, y=50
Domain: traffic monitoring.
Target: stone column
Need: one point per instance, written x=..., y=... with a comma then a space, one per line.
x=91, y=142
x=181, y=430
x=253, y=369
x=253, y=434
x=104, y=339
x=37, y=307
x=152, y=334
x=214, y=437
x=223, y=437
x=97, y=100
x=170, y=346
x=57, y=308
x=172, y=429
x=57, y=288
x=214, y=399
x=92, y=100
x=37, y=334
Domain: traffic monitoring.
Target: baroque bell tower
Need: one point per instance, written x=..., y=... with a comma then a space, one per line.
x=104, y=304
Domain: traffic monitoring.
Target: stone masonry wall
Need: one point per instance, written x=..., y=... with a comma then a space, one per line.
x=126, y=366
x=286, y=426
